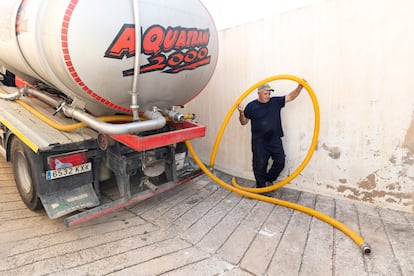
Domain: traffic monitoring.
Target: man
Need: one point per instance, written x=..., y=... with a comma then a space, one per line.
x=266, y=127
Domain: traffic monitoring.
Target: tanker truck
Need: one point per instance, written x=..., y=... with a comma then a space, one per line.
x=92, y=90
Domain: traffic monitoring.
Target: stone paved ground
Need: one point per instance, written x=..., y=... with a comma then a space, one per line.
x=201, y=229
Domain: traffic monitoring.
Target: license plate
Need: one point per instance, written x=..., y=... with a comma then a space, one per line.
x=53, y=174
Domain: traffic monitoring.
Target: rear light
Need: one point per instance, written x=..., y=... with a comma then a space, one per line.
x=67, y=160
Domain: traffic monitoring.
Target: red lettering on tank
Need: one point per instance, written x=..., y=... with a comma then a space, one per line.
x=204, y=37
x=192, y=38
x=189, y=66
x=124, y=43
x=182, y=40
x=170, y=38
x=156, y=39
x=170, y=50
x=152, y=40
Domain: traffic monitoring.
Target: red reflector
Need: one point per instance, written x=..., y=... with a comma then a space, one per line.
x=68, y=160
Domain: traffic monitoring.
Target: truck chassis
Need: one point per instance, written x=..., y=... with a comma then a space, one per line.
x=63, y=170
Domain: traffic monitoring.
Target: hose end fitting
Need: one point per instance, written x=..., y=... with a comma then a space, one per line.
x=365, y=248
x=175, y=116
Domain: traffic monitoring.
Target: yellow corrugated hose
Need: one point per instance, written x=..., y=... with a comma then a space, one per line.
x=251, y=192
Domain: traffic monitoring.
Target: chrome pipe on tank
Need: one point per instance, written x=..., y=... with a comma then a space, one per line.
x=11, y=97
x=134, y=93
x=41, y=96
x=155, y=121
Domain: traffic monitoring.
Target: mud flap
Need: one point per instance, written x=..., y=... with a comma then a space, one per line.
x=65, y=202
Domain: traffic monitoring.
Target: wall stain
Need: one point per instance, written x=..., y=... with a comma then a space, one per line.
x=412, y=202
x=408, y=159
x=393, y=187
x=376, y=153
x=370, y=196
x=378, y=188
x=409, y=136
x=391, y=200
x=369, y=183
x=334, y=152
x=402, y=173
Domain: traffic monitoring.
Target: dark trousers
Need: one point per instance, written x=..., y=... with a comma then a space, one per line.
x=262, y=152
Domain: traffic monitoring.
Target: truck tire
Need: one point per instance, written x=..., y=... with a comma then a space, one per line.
x=23, y=160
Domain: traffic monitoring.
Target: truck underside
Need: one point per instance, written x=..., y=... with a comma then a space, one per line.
x=63, y=170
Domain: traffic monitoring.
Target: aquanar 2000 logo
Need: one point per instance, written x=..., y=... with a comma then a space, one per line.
x=170, y=50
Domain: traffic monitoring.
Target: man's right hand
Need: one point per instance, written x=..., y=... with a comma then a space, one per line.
x=243, y=120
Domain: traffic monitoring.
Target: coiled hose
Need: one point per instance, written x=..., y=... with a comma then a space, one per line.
x=251, y=192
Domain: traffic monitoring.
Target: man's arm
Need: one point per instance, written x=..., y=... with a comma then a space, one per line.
x=243, y=120
x=292, y=95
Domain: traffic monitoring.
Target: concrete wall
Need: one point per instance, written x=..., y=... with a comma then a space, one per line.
x=358, y=56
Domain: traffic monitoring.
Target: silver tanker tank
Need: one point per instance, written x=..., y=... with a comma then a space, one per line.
x=87, y=49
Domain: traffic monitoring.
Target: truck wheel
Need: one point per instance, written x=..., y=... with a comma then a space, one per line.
x=23, y=159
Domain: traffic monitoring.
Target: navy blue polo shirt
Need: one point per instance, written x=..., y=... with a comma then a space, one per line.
x=265, y=119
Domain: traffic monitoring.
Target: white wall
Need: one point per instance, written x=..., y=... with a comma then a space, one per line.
x=358, y=56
